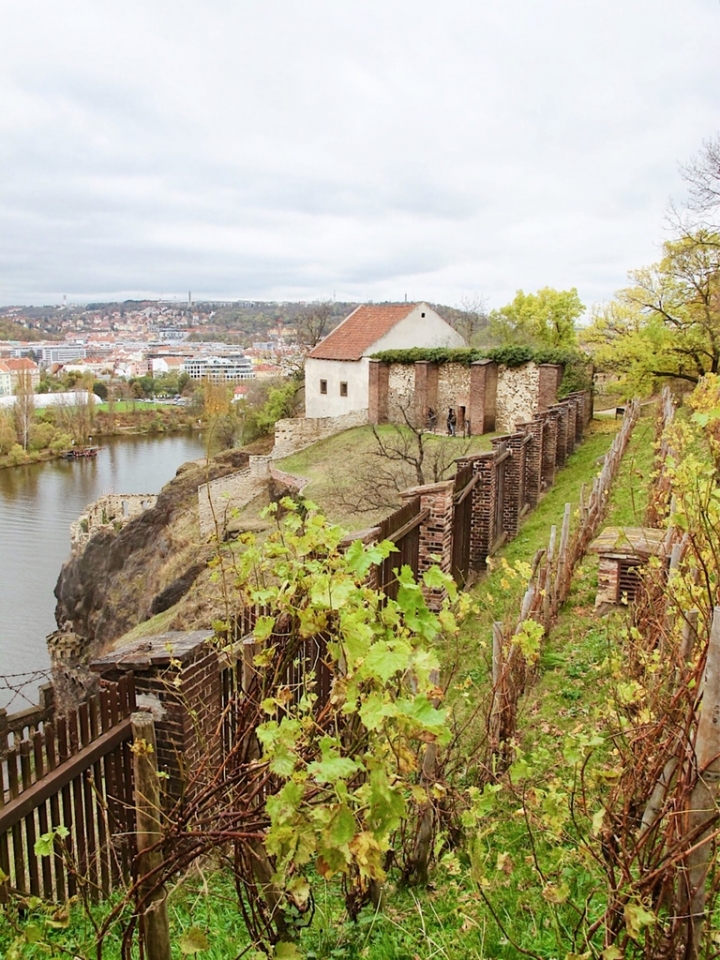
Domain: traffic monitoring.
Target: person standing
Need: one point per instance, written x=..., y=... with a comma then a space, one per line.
x=451, y=421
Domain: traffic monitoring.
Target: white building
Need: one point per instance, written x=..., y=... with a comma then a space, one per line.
x=60, y=353
x=220, y=369
x=336, y=370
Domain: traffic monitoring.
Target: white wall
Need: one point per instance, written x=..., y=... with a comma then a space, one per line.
x=420, y=328
x=352, y=372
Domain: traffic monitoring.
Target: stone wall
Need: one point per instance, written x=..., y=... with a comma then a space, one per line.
x=297, y=433
x=489, y=396
x=109, y=513
x=517, y=395
x=218, y=498
x=401, y=392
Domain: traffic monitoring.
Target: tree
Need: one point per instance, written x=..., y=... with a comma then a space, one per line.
x=8, y=438
x=24, y=407
x=667, y=324
x=313, y=322
x=76, y=416
x=543, y=319
x=470, y=318
x=702, y=175
x=405, y=455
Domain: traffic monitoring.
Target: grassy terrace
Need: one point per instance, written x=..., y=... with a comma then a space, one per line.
x=334, y=465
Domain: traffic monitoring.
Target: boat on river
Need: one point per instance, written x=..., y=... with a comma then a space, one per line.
x=78, y=453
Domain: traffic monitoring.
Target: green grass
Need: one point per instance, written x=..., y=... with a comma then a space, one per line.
x=336, y=463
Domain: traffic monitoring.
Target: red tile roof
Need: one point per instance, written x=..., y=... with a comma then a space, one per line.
x=21, y=363
x=351, y=339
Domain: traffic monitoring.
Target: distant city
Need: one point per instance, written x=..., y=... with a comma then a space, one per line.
x=217, y=341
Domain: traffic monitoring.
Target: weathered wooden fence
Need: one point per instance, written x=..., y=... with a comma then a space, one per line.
x=23, y=724
x=75, y=773
x=549, y=585
x=403, y=528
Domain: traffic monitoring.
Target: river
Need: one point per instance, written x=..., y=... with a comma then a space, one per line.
x=38, y=502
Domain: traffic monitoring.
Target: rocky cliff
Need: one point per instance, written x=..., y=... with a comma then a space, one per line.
x=155, y=564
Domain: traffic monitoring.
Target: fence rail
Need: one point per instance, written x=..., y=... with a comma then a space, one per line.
x=76, y=773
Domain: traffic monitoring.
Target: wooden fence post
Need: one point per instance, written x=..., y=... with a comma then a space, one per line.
x=154, y=924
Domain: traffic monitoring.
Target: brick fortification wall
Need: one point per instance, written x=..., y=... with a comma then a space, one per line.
x=109, y=513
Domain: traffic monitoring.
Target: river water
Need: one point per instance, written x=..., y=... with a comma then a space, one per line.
x=38, y=502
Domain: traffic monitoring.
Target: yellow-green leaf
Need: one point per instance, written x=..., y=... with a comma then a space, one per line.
x=193, y=941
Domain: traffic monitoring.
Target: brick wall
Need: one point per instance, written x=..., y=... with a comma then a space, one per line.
x=563, y=412
x=378, y=383
x=549, y=450
x=512, y=486
x=436, y=532
x=177, y=679
x=482, y=407
x=550, y=375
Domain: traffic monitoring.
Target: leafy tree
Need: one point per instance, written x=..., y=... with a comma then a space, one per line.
x=543, y=319
x=100, y=390
x=667, y=324
x=8, y=437
x=281, y=402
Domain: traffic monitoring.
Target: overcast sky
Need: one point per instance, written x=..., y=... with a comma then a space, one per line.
x=309, y=149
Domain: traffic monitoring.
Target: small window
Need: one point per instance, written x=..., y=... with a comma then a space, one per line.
x=422, y=314
x=343, y=389
x=323, y=386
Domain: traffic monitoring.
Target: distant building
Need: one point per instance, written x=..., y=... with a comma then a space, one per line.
x=157, y=366
x=5, y=380
x=60, y=353
x=21, y=367
x=219, y=369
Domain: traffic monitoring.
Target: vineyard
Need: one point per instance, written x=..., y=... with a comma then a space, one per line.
x=420, y=771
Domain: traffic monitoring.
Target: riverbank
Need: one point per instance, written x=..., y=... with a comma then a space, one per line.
x=150, y=420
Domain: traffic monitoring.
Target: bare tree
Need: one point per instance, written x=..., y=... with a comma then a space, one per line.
x=24, y=409
x=313, y=322
x=471, y=317
x=406, y=455
x=702, y=176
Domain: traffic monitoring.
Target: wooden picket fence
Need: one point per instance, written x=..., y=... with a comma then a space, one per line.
x=75, y=773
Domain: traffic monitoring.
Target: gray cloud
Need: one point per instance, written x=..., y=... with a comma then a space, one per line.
x=267, y=149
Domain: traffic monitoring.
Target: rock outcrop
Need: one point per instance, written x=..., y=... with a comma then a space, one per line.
x=155, y=563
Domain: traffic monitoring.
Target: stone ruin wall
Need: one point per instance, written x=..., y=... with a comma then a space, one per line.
x=219, y=497
x=453, y=391
x=111, y=512
x=517, y=395
x=401, y=392
x=297, y=433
